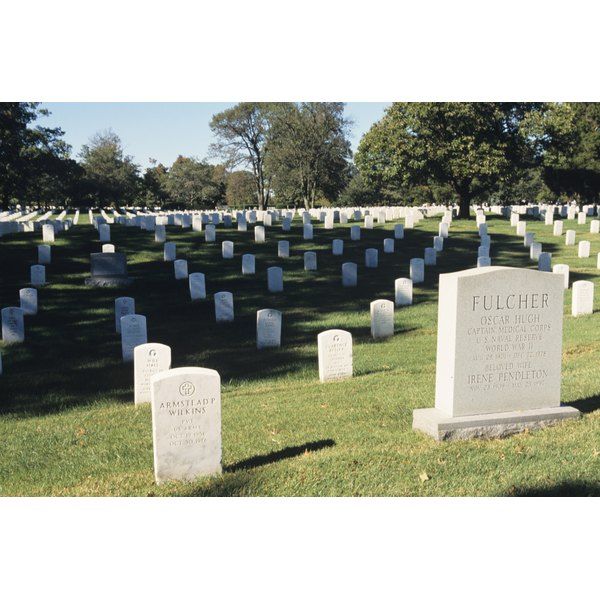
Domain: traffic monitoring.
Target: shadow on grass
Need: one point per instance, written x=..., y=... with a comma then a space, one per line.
x=566, y=488
x=271, y=457
x=586, y=405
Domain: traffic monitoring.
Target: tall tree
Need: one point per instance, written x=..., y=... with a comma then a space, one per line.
x=155, y=184
x=111, y=176
x=29, y=153
x=191, y=184
x=309, y=151
x=241, y=191
x=241, y=133
x=470, y=146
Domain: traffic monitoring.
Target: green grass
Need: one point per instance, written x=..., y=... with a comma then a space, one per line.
x=68, y=425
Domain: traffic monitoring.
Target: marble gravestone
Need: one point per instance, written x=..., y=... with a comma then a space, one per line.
x=13, y=325
x=148, y=360
x=582, y=302
x=283, y=249
x=355, y=233
x=48, y=232
x=224, y=307
x=197, y=283
x=499, y=353
x=335, y=355
x=186, y=423
x=268, y=328
x=382, y=319
x=44, y=254
x=349, y=274
x=37, y=275
x=275, y=279
x=28, y=298
x=417, y=270
x=248, y=264
x=403, y=291
x=169, y=251
x=180, y=268
x=108, y=269
x=123, y=306
x=310, y=261
x=133, y=333
x=227, y=249
x=108, y=247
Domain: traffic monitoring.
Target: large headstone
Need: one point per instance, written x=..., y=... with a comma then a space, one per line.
x=186, y=423
x=123, y=306
x=148, y=360
x=28, y=298
x=335, y=355
x=498, y=354
x=224, y=307
x=108, y=269
x=13, y=325
x=382, y=319
x=268, y=328
x=133, y=333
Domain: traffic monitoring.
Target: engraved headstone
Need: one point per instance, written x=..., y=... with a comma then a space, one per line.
x=545, y=262
x=248, y=264
x=430, y=257
x=275, y=279
x=403, y=291
x=583, y=298
x=37, y=275
x=388, y=245
x=382, y=319
x=335, y=355
x=186, y=423
x=123, y=306
x=268, y=328
x=13, y=325
x=499, y=353
x=133, y=333
x=180, y=267
x=197, y=285
x=148, y=360
x=595, y=226
x=224, y=307
x=28, y=299
x=104, y=232
x=160, y=234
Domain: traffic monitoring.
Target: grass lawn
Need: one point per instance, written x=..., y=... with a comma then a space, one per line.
x=68, y=425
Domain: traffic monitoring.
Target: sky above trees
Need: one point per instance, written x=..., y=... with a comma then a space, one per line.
x=164, y=130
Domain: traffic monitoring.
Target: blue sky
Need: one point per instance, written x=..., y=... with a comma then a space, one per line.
x=163, y=130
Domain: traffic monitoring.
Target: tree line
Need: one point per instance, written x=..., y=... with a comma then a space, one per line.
x=299, y=154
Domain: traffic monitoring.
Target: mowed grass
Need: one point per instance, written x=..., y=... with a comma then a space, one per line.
x=68, y=425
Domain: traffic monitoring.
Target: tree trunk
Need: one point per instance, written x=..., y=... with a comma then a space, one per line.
x=464, y=206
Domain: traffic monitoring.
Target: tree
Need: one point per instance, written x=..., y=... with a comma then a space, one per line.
x=111, y=176
x=567, y=140
x=31, y=157
x=190, y=184
x=470, y=146
x=240, y=191
x=241, y=134
x=308, y=151
x=155, y=184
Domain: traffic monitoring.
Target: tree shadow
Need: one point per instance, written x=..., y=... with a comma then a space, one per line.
x=565, y=488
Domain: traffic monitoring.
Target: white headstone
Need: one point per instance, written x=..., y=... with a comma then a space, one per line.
x=259, y=234
x=583, y=298
x=224, y=307
x=349, y=274
x=558, y=228
x=197, y=283
x=133, y=333
x=108, y=247
x=484, y=261
x=335, y=355
x=170, y=251
x=382, y=319
x=48, y=233
x=283, y=249
x=181, y=269
x=227, y=249
x=355, y=232
x=307, y=232
x=430, y=257
x=535, y=250
x=210, y=233
x=388, y=245
x=275, y=279
x=522, y=228
x=123, y=306
x=403, y=291
x=310, y=261
x=148, y=360
x=186, y=423
x=13, y=325
x=528, y=239
x=399, y=231
x=371, y=258
x=337, y=247
x=443, y=230
x=545, y=262
x=595, y=226
x=583, y=249
x=248, y=264
x=417, y=270
x=38, y=275
x=268, y=328
x=104, y=231
x=563, y=270
x=438, y=243
x=570, y=237
x=28, y=298
x=44, y=254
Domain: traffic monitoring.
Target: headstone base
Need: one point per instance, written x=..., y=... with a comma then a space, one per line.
x=109, y=281
x=496, y=425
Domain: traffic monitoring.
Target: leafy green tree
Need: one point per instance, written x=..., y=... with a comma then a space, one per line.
x=154, y=184
x=241, y=133
x=567, y=138
x=190, y=184
x=241, y=189
x=111, y=177
x=309, y=151
x=469, y=146
x=32, y=157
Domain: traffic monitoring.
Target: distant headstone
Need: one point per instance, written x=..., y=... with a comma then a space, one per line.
x=268, y=328
x=28, y=298
x=337, y=247
x=104, y=232
x=335, y=355
x=399, y=231
x=180, y=268
x=210, y=233
x=123, y=306
x=535, y=250
x=371, y=258
x=382, y=319
x=13, y=325
x=430, y=258
x=307, y=232
x=558, y=228
x=259, y=234
x=438, y=243
x=170, y=251
x=310, y=261
x=595, y=226
x=38, y=275
x=528, y=239
x=545, y=262
x=44, y=254
x=583, y=250
x=160, y=234
x=275, y=279
x=355, y=233
x=583, y=298
x=148, y=360
x=499, y=353
x=564, y=271
x=403, y=291
x=108, y=247
x=133, y=333
x=443, y=230
x=349, y=274
x=484, y=261
x=186, y=423
x=417, y=270
x=283, y=249
x=388, y=245
x=248, y=264
x=570, y=237
x=224, y=307
x=197, y=285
